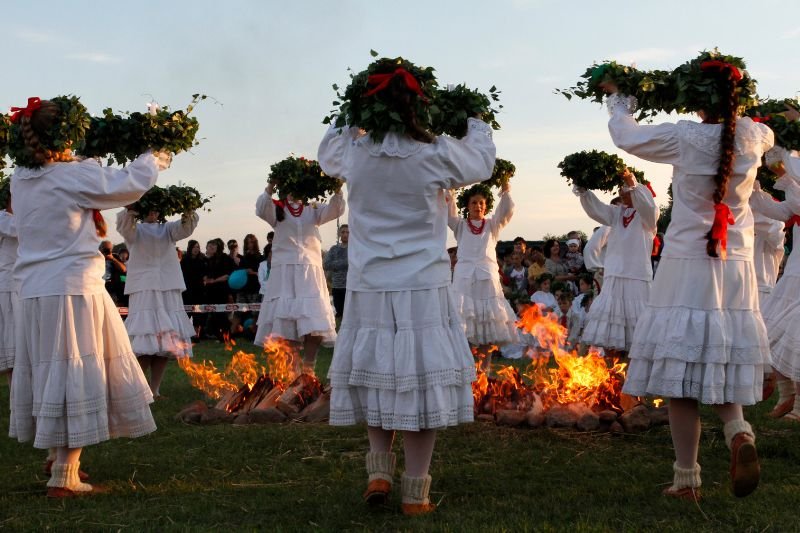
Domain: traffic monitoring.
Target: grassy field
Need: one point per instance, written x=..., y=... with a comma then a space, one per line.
x=301, y=477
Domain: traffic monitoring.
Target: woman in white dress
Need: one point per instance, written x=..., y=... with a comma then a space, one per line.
x=402, y=361
x=488, y=317
x=627, y=269
x=76, y=380
x=9, y=297
x=157, y=324
x=701, y=337
x=296, y=305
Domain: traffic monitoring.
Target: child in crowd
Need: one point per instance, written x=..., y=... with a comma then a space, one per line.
x=543, y=297
x=577, y=312
x=517, y=290
x=574, y=258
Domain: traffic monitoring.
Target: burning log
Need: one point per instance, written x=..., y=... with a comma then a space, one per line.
x=636, y=419
x=510, y=417
x=225, y=400
x=270, y=415
x=192, y=413
x=270, y=399
x=303, y=391
x=319, y=410
x=250, y=395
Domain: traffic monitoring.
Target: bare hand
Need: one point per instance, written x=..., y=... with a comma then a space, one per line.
x=628, y=177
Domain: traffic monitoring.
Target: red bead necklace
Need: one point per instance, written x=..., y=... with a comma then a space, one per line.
x=295, y=211
x=626, y=219
x=476, y=230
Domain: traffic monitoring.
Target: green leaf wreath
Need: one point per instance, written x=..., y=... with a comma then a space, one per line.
x=596, y=170
x=123, y=138
x=787, y=132
x=69, y=132
x=465, y=194
x=503, y=171
x=303, y=179
x=169, y=201
x=452, y=107
x=685, y=89
x=441, y=111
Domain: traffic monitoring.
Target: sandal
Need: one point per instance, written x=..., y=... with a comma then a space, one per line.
x=768, y=387
x=686, y=493
x=745, y=468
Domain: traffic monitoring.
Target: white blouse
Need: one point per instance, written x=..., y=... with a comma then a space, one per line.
x=297, y=240
x=398, y=213
x=693, y=150
x=58, y=242
x=594, y=252
x=476, y=253
x=153, y=263
x=8, y=251
x=629, y=247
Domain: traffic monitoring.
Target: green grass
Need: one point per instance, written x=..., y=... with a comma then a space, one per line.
x=301, y=477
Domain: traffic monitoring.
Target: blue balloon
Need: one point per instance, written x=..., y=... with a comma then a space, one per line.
x=237, y=279
x=249, y=323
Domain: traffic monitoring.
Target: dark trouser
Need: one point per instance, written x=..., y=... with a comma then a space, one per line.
x=338, y=301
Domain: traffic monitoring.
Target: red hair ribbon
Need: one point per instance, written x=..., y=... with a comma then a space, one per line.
x=381, y=81
x=650, y=188
x=761, y=119
x=279, y=203
x=99, y=222
x=721, y=66
x=34, y=103
x=656, y=246
x=794, y=221
x=719, y=229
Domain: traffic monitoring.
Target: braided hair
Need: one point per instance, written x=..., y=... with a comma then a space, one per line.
x=40, y=148
x=725, y=113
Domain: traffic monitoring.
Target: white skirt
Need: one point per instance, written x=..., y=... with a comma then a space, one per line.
x=158, y=325
x=612, y=316
x=9, y=309
x=486, y=313
x=76, y=380
x=402, y=362
x=296, y=303
x=701, y=335
x=784, y=341
x=784, y=296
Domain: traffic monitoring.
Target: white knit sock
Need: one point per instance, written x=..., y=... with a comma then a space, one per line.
x=415, y=489
x=686, y=477
x=66, y=476
x=734, y=427
x=380, y=465
x=785, y=390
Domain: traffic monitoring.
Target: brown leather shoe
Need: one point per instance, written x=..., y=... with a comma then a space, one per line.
x=416, y=509
x=377, y=492
x=63, y=492
x=48, y=467
x=782, y=408
x=686, y=493
x=745, y=469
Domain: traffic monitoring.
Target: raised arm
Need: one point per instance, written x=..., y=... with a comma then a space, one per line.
x=183, y=228
x=126, y=225
x=332, y=152
x=107, y=187
x=657, y=143
x=265, y=209
x=468, y=160
x=331, y=210
x=596, y=208
x=642, y=200
x=505, y=210
x=763, y=204
x=453, y=220
x=8, y=225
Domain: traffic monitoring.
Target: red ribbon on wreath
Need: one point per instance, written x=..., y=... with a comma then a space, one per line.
x=279, y=203
x=381, y=81
x=34, y=103
x=719, y=229
x=650, y=188
x=721, y=66
x=761, y=119
x=794, y=221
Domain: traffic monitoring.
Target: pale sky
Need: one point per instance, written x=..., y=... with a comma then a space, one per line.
x=271, y=65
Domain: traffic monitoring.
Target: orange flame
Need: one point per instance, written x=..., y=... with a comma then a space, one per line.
x=281, y=357
x=206, y=377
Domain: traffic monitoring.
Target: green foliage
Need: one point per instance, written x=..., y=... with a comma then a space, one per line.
x=787, y=132
x=665, y=213
x=169, y=201
x=444, y=112
x=503, y=171
x=685, y=89
x=766, y=179
x=68, y=131
x=564, y=236
x=452, y=107
x=303, y=179
x=596, y=170
x=482, y=189
x=5, y=190
x=122, y=138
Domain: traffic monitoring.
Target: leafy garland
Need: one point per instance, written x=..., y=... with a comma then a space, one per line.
x=69, y=132
x=303, y=179
x=446, y=111
x=123, y=138
x=452, y=107
x=685, y=89
x=596, y=170
x=482, y=189
x=169, y=201
x=503, y=171
x=787, y=132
